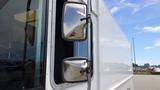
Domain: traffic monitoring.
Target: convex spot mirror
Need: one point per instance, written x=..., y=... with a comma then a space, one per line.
x=74, y=70
x=74, y=22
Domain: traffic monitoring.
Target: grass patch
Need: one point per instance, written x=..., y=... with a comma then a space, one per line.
x=142, y=72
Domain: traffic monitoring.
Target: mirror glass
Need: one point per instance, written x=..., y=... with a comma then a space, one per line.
x=74, y=28
x=74, y=70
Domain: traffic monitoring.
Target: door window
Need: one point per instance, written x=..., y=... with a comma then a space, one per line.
x=21, y=44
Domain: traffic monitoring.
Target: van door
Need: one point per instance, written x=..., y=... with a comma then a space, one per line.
x=22, y=44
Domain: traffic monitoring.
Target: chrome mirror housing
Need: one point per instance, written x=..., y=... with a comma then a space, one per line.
x=74, y=21
x=74, y=70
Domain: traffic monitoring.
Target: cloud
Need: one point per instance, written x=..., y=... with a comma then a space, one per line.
x=135, y=10
x=122, y=4
x=130, y=5
x=136, y=6
x=145, y=4
x=114, y=9
x=151, y=29
x=148, y=3
x=157, y=43
x=148, y=47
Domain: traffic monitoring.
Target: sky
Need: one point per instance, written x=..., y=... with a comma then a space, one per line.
x=140, y=19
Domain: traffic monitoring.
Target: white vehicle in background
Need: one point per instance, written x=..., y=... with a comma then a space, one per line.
x=62, y=45
x=154, y=70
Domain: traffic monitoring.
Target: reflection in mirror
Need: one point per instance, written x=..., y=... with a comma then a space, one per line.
x=74, y=28
x=3, y=3
x=74, y=70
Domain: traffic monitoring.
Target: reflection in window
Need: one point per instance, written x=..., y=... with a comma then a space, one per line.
x=21, y=44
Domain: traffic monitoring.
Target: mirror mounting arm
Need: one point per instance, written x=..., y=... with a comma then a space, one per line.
x=88, y=18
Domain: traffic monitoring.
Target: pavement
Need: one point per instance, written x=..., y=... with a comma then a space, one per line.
x=146, y=82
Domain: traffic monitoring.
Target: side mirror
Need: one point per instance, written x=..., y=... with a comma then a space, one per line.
x=74, y=70
x=74, y=22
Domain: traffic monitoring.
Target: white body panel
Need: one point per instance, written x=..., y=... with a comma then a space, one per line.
x=112, y=61
x=114, y=51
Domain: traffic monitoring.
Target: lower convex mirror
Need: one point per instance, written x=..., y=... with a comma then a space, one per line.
x=74, y=70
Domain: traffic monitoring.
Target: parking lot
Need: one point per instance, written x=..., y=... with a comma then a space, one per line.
x=147, y=82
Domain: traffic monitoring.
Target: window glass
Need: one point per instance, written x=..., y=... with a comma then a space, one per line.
x=21, y=44
x=81, y=49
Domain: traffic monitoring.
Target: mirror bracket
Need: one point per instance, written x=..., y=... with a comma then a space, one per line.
x=87, y=18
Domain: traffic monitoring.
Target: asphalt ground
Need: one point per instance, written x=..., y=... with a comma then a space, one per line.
x=146, y=82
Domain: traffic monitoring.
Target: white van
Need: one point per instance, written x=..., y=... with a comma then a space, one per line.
x=62, y=45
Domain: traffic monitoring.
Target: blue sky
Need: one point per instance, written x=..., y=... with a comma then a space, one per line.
x=140, y=19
